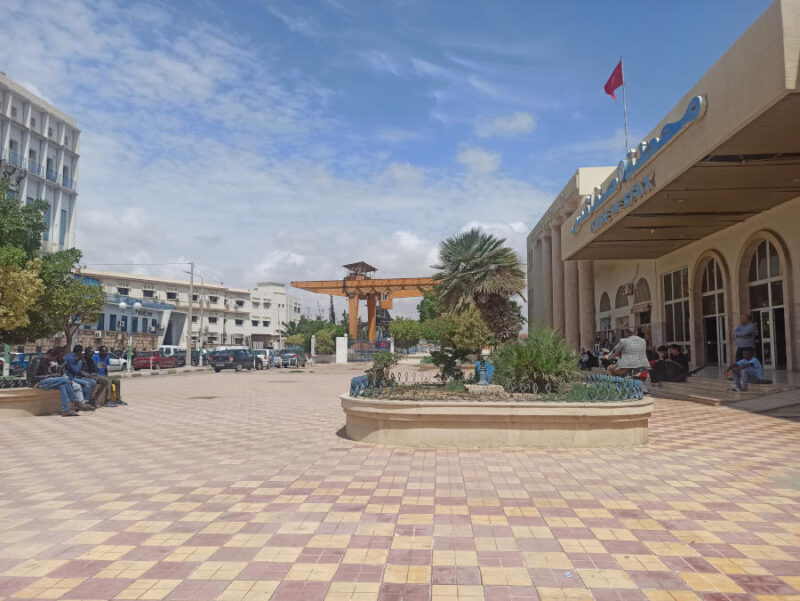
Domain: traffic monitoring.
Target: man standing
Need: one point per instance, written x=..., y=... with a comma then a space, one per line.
x=744, y=336
x=101, y=359
x=747, y=369
x=73, y=365
x=47, y=377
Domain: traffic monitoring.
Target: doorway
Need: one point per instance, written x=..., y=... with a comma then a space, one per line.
x=765, y=283
x=713, y=313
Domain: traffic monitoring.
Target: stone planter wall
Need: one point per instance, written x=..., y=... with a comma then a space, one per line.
x=464, y=424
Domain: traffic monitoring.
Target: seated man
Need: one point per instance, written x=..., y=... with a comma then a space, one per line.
x=73, y=366
x=747, y=369
x=47, y=375
x=673, y=368
x=632, y=353
x=89, y=371
x=101, y=359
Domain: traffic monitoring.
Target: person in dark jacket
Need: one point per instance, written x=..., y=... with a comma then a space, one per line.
x=89, y=371
x=73, y=368
x=48, y=376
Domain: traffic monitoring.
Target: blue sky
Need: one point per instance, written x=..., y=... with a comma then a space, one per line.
x=271, y=140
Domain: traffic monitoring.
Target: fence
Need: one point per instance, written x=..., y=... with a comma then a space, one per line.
x=365, y=350
x=590, y=388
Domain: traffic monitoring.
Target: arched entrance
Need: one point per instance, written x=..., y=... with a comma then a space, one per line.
x=604, y=320
x=641, y=306
x=712, y=308
x=766, y=295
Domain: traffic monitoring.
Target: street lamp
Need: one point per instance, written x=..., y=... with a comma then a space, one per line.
x=123, y=306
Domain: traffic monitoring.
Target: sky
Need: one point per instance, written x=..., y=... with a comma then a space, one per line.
x=272, y=140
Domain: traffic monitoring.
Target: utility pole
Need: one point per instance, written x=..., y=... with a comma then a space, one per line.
x=202, y=314
x=189, y=315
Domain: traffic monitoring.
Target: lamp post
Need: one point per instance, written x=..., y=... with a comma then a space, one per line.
x=123, y=306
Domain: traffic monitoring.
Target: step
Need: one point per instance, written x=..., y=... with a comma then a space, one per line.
x=686, y=391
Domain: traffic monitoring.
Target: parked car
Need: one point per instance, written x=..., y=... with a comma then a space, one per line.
x=238, y=359
x=19, y=363
x=116, y=363
x=267, y=357
x=293, y=357
x=153, y=360
x=180, y=357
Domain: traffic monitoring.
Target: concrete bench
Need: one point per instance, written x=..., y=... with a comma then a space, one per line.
x=24, y=402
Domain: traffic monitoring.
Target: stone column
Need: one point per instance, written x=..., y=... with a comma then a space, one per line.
x=558, y=278
x=571, y=305
x=546, y=315
x=588, y=329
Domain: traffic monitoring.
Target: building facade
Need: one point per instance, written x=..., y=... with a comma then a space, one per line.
x=698, y=224
x=220, y=314
x=39, y=151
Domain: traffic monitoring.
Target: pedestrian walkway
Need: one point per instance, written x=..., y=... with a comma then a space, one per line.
x=237, y=487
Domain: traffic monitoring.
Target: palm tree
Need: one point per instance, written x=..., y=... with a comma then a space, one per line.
x=477, y=268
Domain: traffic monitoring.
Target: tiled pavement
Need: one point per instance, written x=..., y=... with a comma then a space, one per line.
x=236, y=487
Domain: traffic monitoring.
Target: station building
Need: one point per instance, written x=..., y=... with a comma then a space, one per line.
x=698, y=224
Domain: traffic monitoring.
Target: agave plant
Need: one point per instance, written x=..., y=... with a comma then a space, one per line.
x=543, y=359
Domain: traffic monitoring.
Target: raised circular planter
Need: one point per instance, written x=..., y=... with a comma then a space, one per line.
x=497, y=424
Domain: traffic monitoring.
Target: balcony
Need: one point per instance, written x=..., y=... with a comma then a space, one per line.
x=67, y=182
x=51, y=175
x=14, y=158
x=34, y=167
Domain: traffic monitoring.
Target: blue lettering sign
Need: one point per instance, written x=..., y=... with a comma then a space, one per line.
x=636, y=160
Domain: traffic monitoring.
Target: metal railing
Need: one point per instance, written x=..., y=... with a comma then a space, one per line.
x=590, y=388
x=67, y=182
x=34, y=167
x=15, y=158
x=51, y=175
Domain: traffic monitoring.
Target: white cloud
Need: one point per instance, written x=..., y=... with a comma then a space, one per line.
x=506, y=126
x=403, y=174
x=478, y=160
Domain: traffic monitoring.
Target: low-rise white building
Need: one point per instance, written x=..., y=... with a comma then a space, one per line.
x=39, y=151
x=220, y=314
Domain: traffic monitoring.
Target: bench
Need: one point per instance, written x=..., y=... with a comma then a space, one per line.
x=24, y=402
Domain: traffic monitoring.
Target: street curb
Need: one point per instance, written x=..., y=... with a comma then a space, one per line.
x=166, y=372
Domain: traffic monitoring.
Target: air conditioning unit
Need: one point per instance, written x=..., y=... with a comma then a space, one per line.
x=152, y=329
x=629, y=289
x=98, y=334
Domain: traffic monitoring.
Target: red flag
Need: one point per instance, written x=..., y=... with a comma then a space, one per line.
x=614, y=81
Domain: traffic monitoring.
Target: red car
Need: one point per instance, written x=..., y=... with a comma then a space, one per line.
x=153, y=360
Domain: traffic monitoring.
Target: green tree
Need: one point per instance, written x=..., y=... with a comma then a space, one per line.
x=332, y=310
x=296, y=340
x=326, y=341
x=458, y=335
x=406, y=332
x=21, y=225
x=428, y=307
x=65, y=304
x=477, y=268
x=20, y=287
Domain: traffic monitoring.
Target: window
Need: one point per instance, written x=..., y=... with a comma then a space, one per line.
x=212, y=320
x=194, y=318
x=256, y=305
x=135, y=324
x=622, y=298
x=154, y=324
x=33, y=122
x=254, y=323
x=50, y=132
x=676, y=307
x=239, y=322
x=147, y=293
x=194, y=298
x=123, y=291
x=267, y=305
x=112, y=322
x=173, y=295
x=13, y=112
x=240, y=303
x=66, y=140
x=265, y=324
x=213, y=299
x=101, y=323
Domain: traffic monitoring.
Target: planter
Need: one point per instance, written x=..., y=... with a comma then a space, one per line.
x=24, y=402
x=466, y=424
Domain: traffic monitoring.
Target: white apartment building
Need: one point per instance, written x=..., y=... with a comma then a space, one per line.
x=39, y=151
x=220, y=314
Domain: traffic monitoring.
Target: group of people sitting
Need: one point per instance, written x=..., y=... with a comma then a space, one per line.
x=81, y=378
x=631, y=357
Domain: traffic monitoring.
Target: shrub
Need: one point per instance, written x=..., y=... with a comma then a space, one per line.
x=543, y=358
x=455, y=386
x=382, y=363
x=448, y=360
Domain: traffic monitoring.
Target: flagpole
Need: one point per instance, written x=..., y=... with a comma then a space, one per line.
x=624, y=104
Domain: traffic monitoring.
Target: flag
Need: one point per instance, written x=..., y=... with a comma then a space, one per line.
x=614, y=81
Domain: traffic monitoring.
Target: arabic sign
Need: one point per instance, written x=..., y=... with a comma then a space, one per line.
x=636, y=160
x=639, y=191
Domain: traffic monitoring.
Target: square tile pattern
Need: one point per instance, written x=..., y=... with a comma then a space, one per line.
x=236, y=487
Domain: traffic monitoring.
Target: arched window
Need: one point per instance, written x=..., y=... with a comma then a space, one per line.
x=642, y=292
x=605, y=303
x=712, y=307
x=765, y=283
x=604, y=319
x=622, y=298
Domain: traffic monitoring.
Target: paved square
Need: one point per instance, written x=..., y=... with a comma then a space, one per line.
x=236, y=487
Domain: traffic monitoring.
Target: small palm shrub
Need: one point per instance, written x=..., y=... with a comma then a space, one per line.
x=543, y=358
